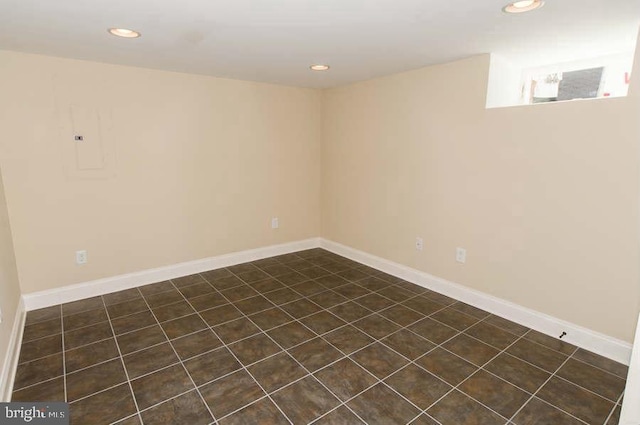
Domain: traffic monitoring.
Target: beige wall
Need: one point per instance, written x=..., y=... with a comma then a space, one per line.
x=544, y=198
x=174, y=167
x=9, y=287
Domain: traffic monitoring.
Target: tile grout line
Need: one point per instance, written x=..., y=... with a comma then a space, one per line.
x=533, y=395
x=124, y=367
x=178, y=357
x=64, y=360
x=225, y=345
x=309, y=374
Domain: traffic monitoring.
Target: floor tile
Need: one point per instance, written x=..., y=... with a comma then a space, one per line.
x=327, y=299
x=322, y=322
x=537, y=412
x=352, y=291
x=282, y=296
x=507, y=325
x=262, y=412
x=183, y=281
x=519, y=373
x=131, y=420
x=231, y=393
x=196, y=290
x=600, y=382
x=491, y=335
x=348, y=339
x=160, y=386
x=82, y=305
x=225, y=283
x=195, y=344
x=434, y=331
x=550, y=342
x=276, y=269
x=40, y=348
x=353, y=275
x=495, y=393
x=277, y=371
x=332, y=281
x=52, y=390
x=95, y=378
x=408, y=344
x=458, y=409
x=401, y=315
x=253, y=305
x=380, y=405
x=446, y=366
x=350, y=311
x=537, y=355
x=454, y=319
x=185, y=409
x=379, y=360
x=236, y=330
x=205, y=302
x=266, y=285
x=291, y=334
x=88, y=355
x=140, y=339
x=315, y=354
x=292, y=278
x=99, y=408
x=346, y=379
x=164, y=298
x=576, y=401
x=42, y=329
x=270, y=319
x=87, y=335
x=470, y=310
x=423, y=305
x=43, y=315
x=183, y=326
x=314, y=272
x=156, y=288
x=133, y=322
x=305, y=400
x=373, y=283
x=149, y=360
x=375, y=302
x=242, y=268
x=424, y=420
x=309, y=288
x=173, y=311
x=300, y=308
x=125, y=308
x=471, y=349
x=420, y=387
x=212, y=365
x=339, y=416
x=253, y=349
x=218, y=315
x=239, y=293
x=376, y=326
x=38, y=370
x=86, y=318
x=601, y=362
x=211, y=275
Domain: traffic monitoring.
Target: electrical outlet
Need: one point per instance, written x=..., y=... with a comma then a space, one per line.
x=419, y=244
x=275, y=223
x=81, y=257
x=461, y=255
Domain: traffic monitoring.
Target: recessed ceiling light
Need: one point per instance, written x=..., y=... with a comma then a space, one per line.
x=319, y=67
x=523, y=6
x=123, y=32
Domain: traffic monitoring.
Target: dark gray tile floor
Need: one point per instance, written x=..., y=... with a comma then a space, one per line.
x=308, y=337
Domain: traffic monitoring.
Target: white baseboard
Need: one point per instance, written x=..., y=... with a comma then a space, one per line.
x=604, y=345
x=8, y=373
x=630, y=414
x=36, y=300
x=596, y=342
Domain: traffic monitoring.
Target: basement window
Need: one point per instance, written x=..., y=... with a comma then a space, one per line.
x=510, y=85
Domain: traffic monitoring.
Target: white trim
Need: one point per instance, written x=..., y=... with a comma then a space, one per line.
x=36, y=300
x=630, y=414
x=12, y=355
x=596, y=342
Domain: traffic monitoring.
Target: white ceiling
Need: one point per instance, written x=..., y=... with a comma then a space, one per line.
x=276, y=40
